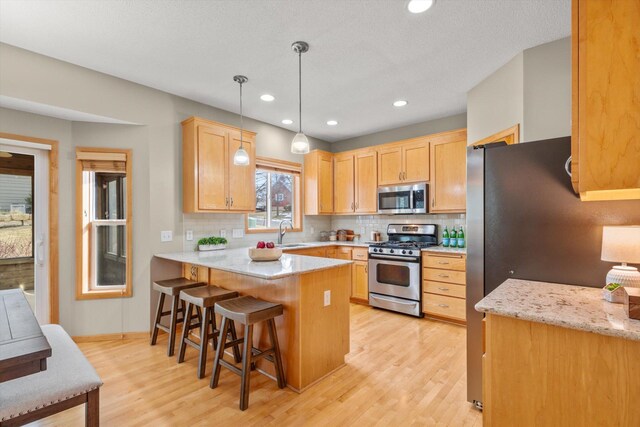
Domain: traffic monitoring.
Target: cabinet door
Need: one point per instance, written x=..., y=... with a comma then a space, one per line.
x=343, y=252
x=325, y=183
x=212, y=168
x=448, y=189
x=390, y=165
x=343, y=190
x=242, y=179
x=360, y=280
x=415, y=161
x=366, y=182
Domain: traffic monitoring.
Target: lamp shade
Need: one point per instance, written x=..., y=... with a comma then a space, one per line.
x=621, y=244
x=300, y=144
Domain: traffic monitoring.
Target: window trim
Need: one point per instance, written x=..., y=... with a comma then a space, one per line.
x=276, y=165
x=84, y=245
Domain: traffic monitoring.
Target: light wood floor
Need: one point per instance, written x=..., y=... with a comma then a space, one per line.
x=401, y=371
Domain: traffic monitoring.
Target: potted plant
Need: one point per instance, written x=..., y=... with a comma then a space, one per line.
x=613, y=292
x=212, y=243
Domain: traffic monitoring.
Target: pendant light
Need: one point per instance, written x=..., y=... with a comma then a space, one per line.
x=241, y=157
x=300, y=143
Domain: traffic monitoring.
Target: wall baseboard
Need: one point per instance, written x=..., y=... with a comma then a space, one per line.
x=113, y=337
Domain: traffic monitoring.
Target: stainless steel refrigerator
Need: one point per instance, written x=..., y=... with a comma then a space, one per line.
x=524, y=221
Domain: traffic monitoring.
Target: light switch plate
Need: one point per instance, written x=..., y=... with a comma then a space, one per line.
x=189, y=235
x=237, y=233
x=312, y=230
x=223, y=233
x=327, y=298
x=166, y=236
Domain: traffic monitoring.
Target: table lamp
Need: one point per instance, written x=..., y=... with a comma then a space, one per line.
x=622, y=244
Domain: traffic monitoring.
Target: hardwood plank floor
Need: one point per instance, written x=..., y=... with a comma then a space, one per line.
x=401, y=371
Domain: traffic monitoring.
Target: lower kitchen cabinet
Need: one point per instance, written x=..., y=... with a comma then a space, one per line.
x=317, y=252
x=360, y=281
x=444, y=286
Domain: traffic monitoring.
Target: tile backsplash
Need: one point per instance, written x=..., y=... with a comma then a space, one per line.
x=205, y=225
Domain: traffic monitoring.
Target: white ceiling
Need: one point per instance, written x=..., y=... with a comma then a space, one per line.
x=364, y=53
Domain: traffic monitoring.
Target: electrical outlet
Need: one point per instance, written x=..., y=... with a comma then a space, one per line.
x=327, y=298
x=189, y=235
x=166, y=236
x=237, y=233
x=223, y=233
x=312, y=230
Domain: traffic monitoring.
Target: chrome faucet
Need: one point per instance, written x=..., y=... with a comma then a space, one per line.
x=281, y=231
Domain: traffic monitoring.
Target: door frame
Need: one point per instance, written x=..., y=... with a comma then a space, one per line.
x=53, y=219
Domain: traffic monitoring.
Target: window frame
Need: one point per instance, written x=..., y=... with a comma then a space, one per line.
x=282, y=166
x=85, y=227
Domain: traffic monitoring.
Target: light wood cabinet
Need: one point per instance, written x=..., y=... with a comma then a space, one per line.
x=404, y=162
x=448, y=185
x=210, y=180
x=355, y=182
x=605, y=134
x=318, y=183
x=317, y=252
x=444, y=285
x=360, y=281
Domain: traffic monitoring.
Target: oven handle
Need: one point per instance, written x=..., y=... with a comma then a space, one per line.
x=396, y=258
x=393, y=301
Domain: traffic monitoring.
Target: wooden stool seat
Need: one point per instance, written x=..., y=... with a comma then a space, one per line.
x=247, y=310
x=171, y=288
x=206, y=296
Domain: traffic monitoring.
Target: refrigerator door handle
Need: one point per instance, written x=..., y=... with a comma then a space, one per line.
x=567, y=166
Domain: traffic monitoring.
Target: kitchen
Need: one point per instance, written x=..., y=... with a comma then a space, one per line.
x=382, y=161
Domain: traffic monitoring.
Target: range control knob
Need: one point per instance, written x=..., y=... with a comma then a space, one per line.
x=375, y=249
x=390, y=251
x=410, y=252
x=404, y=252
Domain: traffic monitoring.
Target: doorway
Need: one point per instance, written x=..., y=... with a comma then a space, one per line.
x=24, y=222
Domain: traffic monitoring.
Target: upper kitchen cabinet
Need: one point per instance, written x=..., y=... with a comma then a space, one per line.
x=606, y=99
x=318, y=183
x=355, y=182
x=404, y=162
x=210, y=180
x=448, y=185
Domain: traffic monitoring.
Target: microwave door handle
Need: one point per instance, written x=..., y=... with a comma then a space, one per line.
x=412, y=206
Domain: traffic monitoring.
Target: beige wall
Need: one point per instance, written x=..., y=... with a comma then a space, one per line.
x=419, y=129
x=533, y=89
x=496, y=102
x=547, y=90
x=157, y=165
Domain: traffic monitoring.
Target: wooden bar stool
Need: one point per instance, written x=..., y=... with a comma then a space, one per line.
x=171, y=288
x=248, y=311
x=204, y=298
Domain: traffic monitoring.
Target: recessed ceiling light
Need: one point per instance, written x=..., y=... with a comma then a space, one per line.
x=268, y=98
x=287, y=121
x=419, y=6
x=400, y=103
x=332, y=122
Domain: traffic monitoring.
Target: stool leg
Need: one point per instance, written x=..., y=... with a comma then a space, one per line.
x=273, y=334
x=204, y=342
x=214, y=331
x=172, y=326
x=234, y=336
x=215, y=376
x=154, y=336
x=246, y=367
x=185, y=334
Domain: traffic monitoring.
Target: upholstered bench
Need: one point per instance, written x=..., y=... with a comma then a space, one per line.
x=68, y=381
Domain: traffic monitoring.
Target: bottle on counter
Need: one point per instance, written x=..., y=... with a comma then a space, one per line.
x=461, y=241
x=445, y=238
x=453, y=238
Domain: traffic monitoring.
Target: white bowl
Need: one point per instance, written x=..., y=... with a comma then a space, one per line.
x=266, y=254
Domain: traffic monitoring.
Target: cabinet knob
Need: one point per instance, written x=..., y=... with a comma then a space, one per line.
x=226, y=201
x=444, y=289
x=443, y=275
x=232, y=201
x=433, y=202
x=443, y=262
x=400, y=176
x=443, y=305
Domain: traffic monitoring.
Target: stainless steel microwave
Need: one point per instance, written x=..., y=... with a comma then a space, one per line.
x=403, y=199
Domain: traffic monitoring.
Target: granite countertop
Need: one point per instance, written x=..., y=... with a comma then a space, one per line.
x=317, y=244
x=238, y=261
x=573, y=307
x=442, y=249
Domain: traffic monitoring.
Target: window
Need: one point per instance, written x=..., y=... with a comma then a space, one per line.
x=277, y=196
x=103, y=223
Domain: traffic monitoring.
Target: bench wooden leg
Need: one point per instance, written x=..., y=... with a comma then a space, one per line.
x=92, y=409
x=154, y=336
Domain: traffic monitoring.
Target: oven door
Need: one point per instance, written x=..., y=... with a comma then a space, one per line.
x=394, y=278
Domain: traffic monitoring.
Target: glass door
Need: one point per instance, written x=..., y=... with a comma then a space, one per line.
x=24, y=223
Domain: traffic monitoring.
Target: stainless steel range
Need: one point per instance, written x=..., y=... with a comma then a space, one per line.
x=395, y=267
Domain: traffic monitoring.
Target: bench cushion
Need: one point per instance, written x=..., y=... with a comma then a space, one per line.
x=68, y=374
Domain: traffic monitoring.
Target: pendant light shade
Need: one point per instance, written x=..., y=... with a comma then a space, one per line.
x=241, y=157
x=300, y=143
